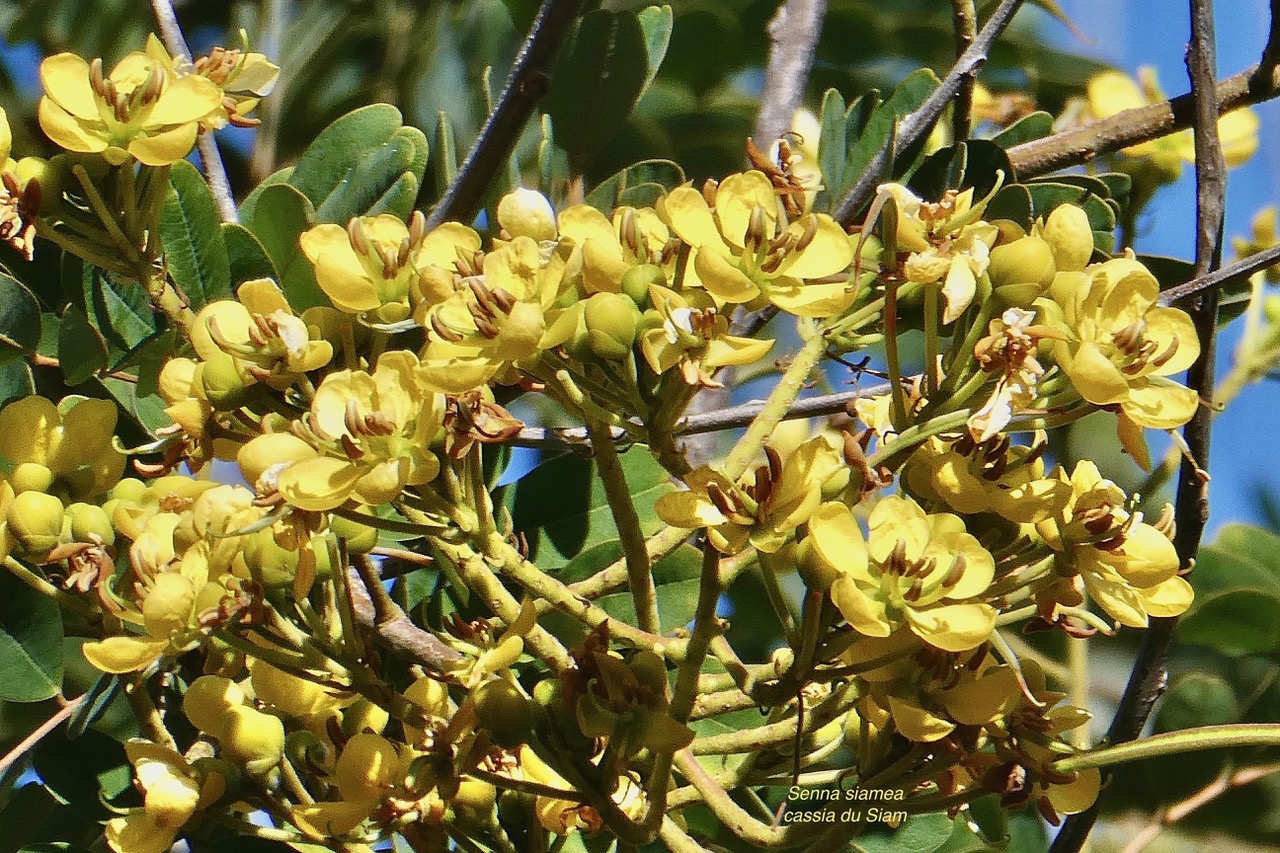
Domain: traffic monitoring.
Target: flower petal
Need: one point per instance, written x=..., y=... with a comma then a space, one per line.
x=318, y=484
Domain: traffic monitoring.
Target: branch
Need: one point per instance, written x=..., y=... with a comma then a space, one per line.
x=29, y=742
x=525, y=86
x=1150, y=676
x=215, y=173
x=793, y=37
x=397, y=631
x=1082, y=144
x=915, y=127
x=1230, y=274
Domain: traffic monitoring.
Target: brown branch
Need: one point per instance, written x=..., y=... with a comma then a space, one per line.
x=1229, y=274
x=793, y=36
x=1150, y=676
x=964, y=21
x=396, y=630
x=42, y=731
x=1082, y=144
x=526, y=84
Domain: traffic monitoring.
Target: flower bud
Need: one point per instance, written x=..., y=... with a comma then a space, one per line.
x=504, y=711
x=289, y=694
x=208, y=701
x=90, y=523
x=168, y=604
x=1069, y=235
x=527, y=213
x=253, y=739
x=266, y=451
x=223, y=385
x=368, y=767
x=817, y=573
x=611, y=320
x=35, y=521
x=1025, y=261
x=30, y=477
x=364, y=716
x=475, y=796
x=636, y=281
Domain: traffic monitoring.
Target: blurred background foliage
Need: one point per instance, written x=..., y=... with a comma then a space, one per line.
x=442, y=63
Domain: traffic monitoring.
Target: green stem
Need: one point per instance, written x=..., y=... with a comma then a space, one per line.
x=930, y=342
x=775, y=408
x=44, y=587
x=778, y=601
x=917, y=434
x=105, y=215
x=1175, y=743
x=618, y=493
x=899, y=404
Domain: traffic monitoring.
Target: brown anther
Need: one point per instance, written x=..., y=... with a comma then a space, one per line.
x=96, y=80
x=486, y=328
x=121, y=107
x=443, y=331
x=709, y=189
x=670, y=249
x=914, y=592
x=377, y=423
x=810, y=232
x=955, y=573
x=484, y=300
x=503, y=298
x=772, y=263
x=154, y=84
x=1098, y=524
x=235, y=119
x=755, y=235
x=349, y=447
x=1165, y=523
x=351, y=418
x=763, y=488
x=260, y=331
x=720, y=499
x=1163, y=358
x=417, y=227
x=629, y=231
x=1128, y=338
x=388, y=257
x=996, y=469
x=356, y=236
x=402, y=256
x=775, y=463
x=854, y=456
x=897, y=561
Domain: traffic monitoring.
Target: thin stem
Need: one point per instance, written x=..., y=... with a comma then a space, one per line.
x=526, y=84
x=44, y=587
x=793, y=38
x=618, y=493
x=29, y=742
x=1174, y=743
x=964, y=21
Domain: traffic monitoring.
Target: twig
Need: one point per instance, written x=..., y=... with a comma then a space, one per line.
x=1222, y=784
x=964, y=20
x=1230, y=274
x=29, y=742
x=526, y=84
x=1082, y=144
x=398, y=632
x=916, y=126
x=215, y=173
x=1149, y=676
x=793, y=38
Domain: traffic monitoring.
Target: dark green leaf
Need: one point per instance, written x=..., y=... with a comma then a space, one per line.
x=656, y=23
x=280, y=216
x=246, y=257
x=1025, y=129
x=597, y=80
x=611, y=192
x=922, y=833
x=81, y=350
x=146, y=410
x=30, y=642
x=881, y=127
x=15, y=381
x=248, y=207
x=1239, y=622
x=19, y=316
x=94, y=704
x=192, y=238
x=118, y=308
x=384, y=180
x=80, y=770
x=1012, y=203
x=976, y=163
x=675, y=577
x=32, y=816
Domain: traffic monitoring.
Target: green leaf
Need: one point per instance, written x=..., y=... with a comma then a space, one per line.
x=246, y=257
x=922, y=833
x=598, y=78
x=561, y=508
x=280, y=216
x=94, y=704
x=15, y=381
x=118, y=308
x=190, y=230
x=622, y=186
x=656, y=22
x=1240, y=622
x=30, y=643
x=80, y=771
x=356, y=161
x=1025, y=129
x=676, y=578
x=81, y=350
x=248, y=207
x=146, y=410
x=19, y=316
x=976, y=163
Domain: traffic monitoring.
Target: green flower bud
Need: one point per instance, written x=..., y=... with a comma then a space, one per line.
x=220, y=780
x=1025, y=261
x=30, y=477
x=361, y=538
x=611, y=320
x=222, y=382
x=636, y=281
x=817, y=573
x=307, y=749
x=475, y=796
x=252, y=739
x=1069, y=235
x=90, y=523
x=504, y=711
x=35, y=521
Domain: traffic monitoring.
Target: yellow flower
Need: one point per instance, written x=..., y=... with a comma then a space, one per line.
x=993, y=476
x=378, y=266
x=913, y=569
x=498, y=318
x=138, y=109
x=65, y=450
x=373, y=433
x=1111, y=92
x=243, y=78
x=1127, y=566
x=696, y=340
x=172, y=794
x=267, y=341
x=764, y=508
x=609, y=250
x=1120, y=345
x=745, y=253
x=948, y=243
